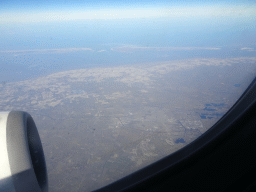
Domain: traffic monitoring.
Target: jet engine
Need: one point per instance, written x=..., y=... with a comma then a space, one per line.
x=22, y=162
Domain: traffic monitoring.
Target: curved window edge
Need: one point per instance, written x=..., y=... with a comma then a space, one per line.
x=212, y=162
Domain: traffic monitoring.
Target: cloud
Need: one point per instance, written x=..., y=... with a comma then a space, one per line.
x=133, y=48
x=247, y=49
x=101, y=51
x=85, y=13
x=45, y=51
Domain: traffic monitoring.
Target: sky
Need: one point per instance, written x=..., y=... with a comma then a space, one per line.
x=115, y=21
x=50, y=11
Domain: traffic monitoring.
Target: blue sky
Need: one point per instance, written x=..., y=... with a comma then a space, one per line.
x=31, y=24
x=49, y=11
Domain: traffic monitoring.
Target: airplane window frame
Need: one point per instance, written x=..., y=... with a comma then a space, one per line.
x=180, y=163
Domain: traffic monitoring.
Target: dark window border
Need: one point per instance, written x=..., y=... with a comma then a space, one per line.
x=219, y=160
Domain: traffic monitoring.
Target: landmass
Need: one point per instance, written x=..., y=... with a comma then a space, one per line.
x=98, y=125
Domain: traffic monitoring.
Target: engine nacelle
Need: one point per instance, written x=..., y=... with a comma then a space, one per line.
x=22, y=162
